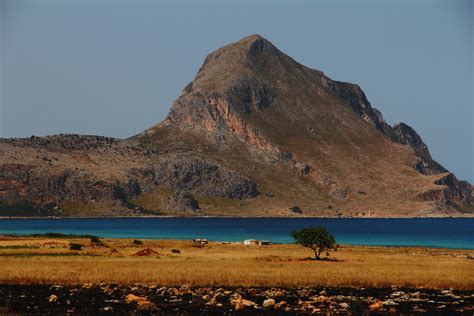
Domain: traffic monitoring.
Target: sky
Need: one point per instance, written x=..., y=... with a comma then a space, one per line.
x=113, y=68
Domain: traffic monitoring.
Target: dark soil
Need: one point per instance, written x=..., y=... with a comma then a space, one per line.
x=111, y=299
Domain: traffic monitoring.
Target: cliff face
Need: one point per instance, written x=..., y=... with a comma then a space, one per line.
x=254, y=133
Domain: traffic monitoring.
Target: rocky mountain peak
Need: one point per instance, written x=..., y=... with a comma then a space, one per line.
x=252, y=121
x=242, y=51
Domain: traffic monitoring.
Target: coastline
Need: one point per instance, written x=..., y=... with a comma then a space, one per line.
x=442, y=216
x=441, y=233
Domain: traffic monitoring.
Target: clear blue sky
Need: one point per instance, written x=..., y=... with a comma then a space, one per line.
x=114, y=67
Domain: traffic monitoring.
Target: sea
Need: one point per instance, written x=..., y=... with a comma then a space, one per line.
x=457, y=233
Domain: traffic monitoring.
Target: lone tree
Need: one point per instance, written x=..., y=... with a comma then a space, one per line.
x=316, y=238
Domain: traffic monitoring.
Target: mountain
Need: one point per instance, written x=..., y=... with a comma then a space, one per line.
x=255, y=133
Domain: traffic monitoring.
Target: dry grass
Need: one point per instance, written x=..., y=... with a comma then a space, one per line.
x=230, y=265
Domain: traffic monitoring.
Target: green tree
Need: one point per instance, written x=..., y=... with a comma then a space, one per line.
x=316, y=238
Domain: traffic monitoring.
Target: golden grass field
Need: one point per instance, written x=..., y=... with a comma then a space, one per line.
x=26, y=260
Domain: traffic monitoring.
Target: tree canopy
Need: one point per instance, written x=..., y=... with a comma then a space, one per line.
x=316, y=238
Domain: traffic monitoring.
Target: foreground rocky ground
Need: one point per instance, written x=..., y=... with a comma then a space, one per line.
x=142, y=299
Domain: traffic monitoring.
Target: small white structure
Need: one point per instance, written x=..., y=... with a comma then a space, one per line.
x=250, y=242
x=200, y=241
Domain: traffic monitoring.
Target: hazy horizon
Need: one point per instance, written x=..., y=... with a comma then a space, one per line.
x=114, y=68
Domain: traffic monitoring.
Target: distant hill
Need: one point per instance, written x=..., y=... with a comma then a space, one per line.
x=255, y=133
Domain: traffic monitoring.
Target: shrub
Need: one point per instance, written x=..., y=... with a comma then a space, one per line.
x=295, y=209
x=137, y=242
x=75, y=246
x=95, y=240
x=316, y=238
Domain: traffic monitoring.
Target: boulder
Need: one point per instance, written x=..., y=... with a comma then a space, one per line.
x=240, y=303
x=268, y=303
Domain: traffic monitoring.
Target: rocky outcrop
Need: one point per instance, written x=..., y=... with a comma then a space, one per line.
x=400, y=133
x=182, y=201
x=60, y=175
x=457, y=194
x=32, y=187
x=355, y=98
x=198, y=176
x=407, y=135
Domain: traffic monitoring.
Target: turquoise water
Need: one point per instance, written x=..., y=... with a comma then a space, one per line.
x=446, y=232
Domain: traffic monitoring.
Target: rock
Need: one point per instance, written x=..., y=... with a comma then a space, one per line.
x=323, y=299
x=392, y=311
x=304, y=169
x=53, y=298
x=280, y=304
x=415, y=294
x=376, y=306
x=214, y=299
x=344, y=305
x=143, y=304
x=240, y=303
x=146, y=306
x=407, y=135
x=107, y=309
x=278, y=293
x=182, y=201
x=132, y=298
x=161, y=290
x=268, y=303
x=397, y=294
x=389, y=303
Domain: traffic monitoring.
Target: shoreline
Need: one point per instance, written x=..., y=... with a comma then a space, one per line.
x=239, y=242
x=467, y=216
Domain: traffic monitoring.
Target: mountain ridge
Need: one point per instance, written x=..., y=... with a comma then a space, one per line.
x=254, y=133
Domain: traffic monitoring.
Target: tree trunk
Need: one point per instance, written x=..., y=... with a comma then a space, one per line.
x=316, y=254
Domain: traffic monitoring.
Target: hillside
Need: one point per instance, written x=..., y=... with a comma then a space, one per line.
x=255, y=133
